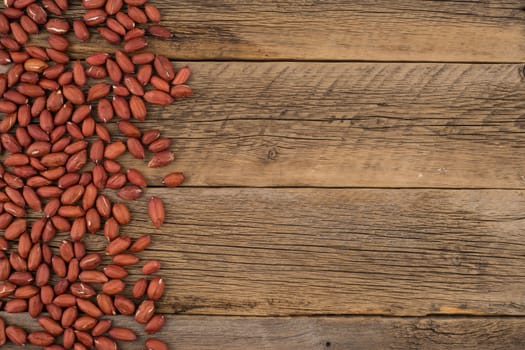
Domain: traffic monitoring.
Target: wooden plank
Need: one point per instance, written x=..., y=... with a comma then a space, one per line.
x=321, y=251
x=405, y=30
x=314, y=333
x=357, y=333
x=348, y=124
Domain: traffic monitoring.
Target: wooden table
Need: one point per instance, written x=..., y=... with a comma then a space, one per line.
x=356, y=175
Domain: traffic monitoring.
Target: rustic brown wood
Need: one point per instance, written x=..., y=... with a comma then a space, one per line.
x=264, y=252
x=342, y=251
x=347, y=124
x=407, y=30
x=315, y=333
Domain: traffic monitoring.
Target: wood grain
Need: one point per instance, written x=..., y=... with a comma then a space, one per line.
x=405, y=30
x=296, y=252
x=316, y=252
x=323, y=333
x=347, y=125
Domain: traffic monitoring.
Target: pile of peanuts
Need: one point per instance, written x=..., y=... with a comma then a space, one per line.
x=58, y=158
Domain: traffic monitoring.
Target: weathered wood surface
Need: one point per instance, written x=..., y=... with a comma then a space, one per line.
x=324, y=333
x=406, y=30
x=268, y=252
x=308, y=251
x=348, y=125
